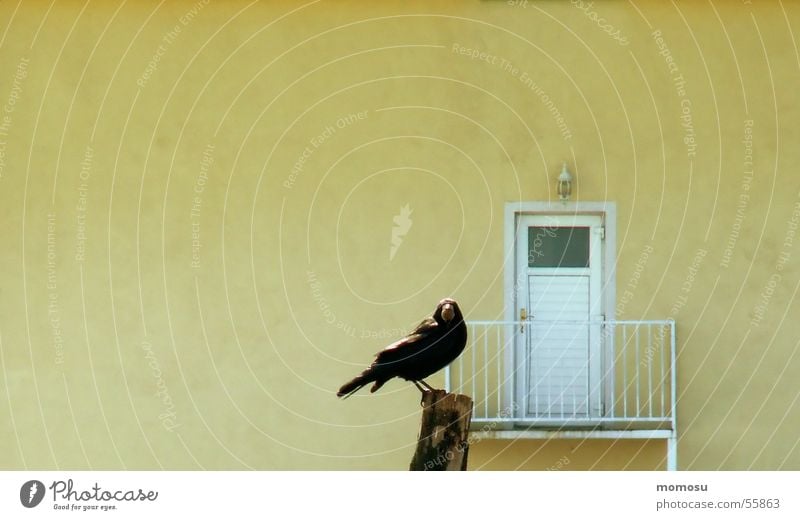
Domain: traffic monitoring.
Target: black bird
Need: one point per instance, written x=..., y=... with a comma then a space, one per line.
x=433, y=345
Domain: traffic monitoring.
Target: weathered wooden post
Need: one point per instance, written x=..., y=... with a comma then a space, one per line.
x=443, y=432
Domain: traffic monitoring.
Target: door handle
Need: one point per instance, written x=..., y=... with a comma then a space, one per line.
x=523, y=316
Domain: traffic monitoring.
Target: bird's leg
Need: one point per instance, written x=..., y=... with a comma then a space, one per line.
x=429, y=387
x=420, y=388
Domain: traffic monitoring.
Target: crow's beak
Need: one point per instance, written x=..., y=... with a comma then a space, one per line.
x=448, y=313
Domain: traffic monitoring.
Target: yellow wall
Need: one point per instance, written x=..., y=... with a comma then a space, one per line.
x=122, y=349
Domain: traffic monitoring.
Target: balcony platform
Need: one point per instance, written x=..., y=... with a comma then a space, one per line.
x=605, y=423
x=539, y=433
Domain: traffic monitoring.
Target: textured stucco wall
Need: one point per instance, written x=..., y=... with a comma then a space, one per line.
x=197, y=202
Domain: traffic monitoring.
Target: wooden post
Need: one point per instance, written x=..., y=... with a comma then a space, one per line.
x=442, y=444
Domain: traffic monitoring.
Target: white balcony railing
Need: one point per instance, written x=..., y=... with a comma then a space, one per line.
x=570, y=375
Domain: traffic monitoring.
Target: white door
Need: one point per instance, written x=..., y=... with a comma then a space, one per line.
x=559, y=269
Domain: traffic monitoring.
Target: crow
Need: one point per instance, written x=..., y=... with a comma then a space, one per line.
x=433, y=345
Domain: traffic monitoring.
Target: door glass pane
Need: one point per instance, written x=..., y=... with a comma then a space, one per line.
x=558, y=246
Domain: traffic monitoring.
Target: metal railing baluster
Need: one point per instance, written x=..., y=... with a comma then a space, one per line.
x=638, y=388
x=472, y=375
x=650, y=369
x=663, y=372
x=461, y=369
x=499, y=345
x=486, y=373
x=624, y=371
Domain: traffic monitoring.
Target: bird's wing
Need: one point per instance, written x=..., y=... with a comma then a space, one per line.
x=402, y=348
x=426, y=326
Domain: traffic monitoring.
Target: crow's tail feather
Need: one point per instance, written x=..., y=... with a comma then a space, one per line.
x=356, y=384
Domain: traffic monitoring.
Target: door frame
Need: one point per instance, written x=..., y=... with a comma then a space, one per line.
x=511, y=279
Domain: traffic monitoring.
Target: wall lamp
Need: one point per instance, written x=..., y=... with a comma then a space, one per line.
x=564, y=184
